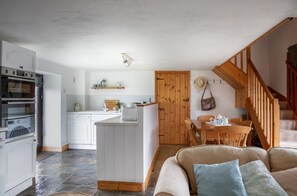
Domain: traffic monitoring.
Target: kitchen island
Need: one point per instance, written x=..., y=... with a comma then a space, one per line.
x=127, y=150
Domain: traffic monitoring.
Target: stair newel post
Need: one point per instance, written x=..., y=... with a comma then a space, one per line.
x=276, y=124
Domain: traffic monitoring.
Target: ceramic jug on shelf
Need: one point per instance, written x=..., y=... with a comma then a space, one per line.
x=77, y=107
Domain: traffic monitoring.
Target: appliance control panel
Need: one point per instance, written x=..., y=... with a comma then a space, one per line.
x=17, y=73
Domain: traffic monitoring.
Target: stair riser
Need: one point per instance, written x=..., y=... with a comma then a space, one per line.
x=288, y=135
x=283, y=105
x=288, y=124
x=286, y=114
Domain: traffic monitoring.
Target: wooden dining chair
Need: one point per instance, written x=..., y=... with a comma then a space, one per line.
x=194, y=137
x=210, y=137
x=247, y=123
x=239, y=121
x=232, y=135
x=205, y=118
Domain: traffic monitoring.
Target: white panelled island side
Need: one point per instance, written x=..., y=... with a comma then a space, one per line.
x=126, y=150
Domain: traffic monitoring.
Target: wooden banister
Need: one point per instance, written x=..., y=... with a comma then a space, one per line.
x=255, y=96
x=292, y=86
x=263, y=108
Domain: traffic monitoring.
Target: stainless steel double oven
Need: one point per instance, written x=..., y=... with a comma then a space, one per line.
x=17, y=102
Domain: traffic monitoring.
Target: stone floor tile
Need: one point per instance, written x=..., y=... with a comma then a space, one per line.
x=75, y=171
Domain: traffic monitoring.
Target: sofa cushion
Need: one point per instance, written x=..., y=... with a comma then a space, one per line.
x=282, y=158
x=172, y=180
x=216, y=179
x=211, y=154
x=287, y=180
x=258, y=180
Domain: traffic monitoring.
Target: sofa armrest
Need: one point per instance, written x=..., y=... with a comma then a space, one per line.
x=172, y=180
x=282, y=158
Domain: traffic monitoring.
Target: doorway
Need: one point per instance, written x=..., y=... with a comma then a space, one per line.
x=172, y=93
x=39, y=111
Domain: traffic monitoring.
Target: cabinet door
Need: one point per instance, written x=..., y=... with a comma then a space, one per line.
x=20, y=160
x=94, y=132
x=17, y=57
x=2, y=168
x=79, y=130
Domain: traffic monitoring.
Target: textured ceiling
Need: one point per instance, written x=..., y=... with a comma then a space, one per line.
x=157, y=34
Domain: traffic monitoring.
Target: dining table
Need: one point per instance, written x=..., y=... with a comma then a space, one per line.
x=206, y=130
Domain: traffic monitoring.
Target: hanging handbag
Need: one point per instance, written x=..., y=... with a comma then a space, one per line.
x=208, y=103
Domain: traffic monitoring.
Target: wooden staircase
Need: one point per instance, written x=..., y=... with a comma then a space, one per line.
x=234, y=72
x=288, y=121
x=252, y=93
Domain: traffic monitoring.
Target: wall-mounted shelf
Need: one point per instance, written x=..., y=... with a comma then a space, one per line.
x=109, y=87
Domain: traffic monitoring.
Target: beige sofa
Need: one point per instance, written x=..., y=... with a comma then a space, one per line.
x=177, y=175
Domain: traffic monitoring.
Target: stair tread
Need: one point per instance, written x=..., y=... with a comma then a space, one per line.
x=288, y=144
x=288, y=124
x=288, y=135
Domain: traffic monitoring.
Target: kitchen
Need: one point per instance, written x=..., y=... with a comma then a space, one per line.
x=18, y=141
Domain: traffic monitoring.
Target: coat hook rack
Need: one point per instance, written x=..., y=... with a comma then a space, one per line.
x=215, y=81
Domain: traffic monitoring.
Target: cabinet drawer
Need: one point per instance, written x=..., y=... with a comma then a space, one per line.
x=79, y=117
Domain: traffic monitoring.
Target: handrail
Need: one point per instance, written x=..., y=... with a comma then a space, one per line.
x=263, y=35
x=292, y=86
x=252, y=66
x=240, y=59
x=263, y=108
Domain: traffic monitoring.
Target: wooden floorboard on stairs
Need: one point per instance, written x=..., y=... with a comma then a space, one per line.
x=288, y=126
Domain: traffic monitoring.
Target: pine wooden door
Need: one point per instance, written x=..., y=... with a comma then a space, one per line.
x=172, y=92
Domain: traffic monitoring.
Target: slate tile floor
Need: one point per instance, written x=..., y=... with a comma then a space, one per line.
x=75, y=171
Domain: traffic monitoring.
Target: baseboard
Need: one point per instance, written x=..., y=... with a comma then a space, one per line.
x=19, y=188
x=55, y=149
x=149, y=173
x=129, y=186
x=65, y=147
x=120, y=186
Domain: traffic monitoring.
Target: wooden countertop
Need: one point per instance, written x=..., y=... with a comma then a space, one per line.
x=146, y=104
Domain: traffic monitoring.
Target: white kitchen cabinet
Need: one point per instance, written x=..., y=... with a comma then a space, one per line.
x=2, y=166
x=20, y=165
x=14, y=56
x=79, y=129
x=82, y=131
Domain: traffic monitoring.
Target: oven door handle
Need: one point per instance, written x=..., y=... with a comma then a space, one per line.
x=21, y=79
x=25, y=102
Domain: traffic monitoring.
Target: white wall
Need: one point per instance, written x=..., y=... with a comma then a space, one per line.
x=139, y=86
x=136, y=82
x=259, y=55
x=52, y=111
x=223, y=93
x=279, y=41
x=54, y=107
x=269, y=55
